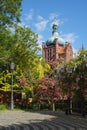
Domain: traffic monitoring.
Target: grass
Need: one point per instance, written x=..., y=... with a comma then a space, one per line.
x=3, y=107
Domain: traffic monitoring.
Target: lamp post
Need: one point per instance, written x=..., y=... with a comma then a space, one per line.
x=12, y=71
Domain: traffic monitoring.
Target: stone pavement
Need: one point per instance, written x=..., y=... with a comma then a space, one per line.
x=21, y=120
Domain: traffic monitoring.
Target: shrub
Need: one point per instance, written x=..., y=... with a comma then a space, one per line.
x=3, y=107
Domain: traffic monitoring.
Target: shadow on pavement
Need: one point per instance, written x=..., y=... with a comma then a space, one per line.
x=44, y=120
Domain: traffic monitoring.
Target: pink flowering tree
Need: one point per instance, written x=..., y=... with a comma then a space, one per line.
x=48, y=92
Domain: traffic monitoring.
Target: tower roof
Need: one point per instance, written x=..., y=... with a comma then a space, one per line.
x=55, y=36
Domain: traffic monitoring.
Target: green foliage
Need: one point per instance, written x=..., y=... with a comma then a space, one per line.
x=25, y=47
x=78, y=97
x=3, y=107
x=19, y=44
x=9, y=15
x=5, y=46
x=22, y=47
x=72, y=76
x=46, y=67
x=9, y=12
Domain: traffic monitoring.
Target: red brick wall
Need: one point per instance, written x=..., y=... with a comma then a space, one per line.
x=53, y=52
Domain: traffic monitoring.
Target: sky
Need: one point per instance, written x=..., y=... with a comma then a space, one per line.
x=71, y=16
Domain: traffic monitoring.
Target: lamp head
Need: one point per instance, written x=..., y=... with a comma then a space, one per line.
x=12, y=66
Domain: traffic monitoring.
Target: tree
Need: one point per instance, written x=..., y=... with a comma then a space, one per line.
x=72, y=77
x=9, y=12
x=25, y=46
x=9, y=15
x=48, y=92
x=81, y=71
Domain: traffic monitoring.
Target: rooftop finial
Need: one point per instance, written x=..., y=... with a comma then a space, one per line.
x=55, y=17
x=55, y=20
x=82, y=46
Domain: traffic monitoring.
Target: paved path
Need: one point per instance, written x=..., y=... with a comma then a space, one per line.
x=20, y=120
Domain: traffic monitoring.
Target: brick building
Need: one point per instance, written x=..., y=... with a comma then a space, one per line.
x=55, y=47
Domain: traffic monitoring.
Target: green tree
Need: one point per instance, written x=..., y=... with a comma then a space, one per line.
x=25, y=46
x=9, y=12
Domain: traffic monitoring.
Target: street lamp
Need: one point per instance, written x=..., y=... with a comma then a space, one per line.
x=12, y=66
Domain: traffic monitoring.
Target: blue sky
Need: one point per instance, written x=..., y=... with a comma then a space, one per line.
x=71, y=16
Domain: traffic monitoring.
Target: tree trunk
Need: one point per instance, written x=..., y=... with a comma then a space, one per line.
x=53, y=106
